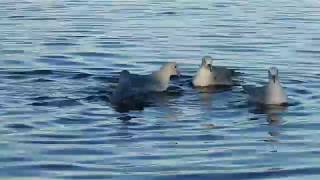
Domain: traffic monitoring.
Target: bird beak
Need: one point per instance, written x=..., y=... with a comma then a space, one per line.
x=210, y=67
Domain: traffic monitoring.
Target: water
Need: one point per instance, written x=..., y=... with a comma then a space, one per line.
x=60, y=59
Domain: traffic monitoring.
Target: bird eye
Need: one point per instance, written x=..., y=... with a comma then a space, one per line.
x=175, y=67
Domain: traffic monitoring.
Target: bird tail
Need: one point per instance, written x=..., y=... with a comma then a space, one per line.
x=124, y=76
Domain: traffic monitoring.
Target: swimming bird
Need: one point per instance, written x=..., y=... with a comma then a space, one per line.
x=135, y=88
x=270, y=94
x=209, y=75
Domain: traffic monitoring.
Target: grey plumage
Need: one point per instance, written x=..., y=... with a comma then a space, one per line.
x=209, y=75
x=134, y=88
x=270, y=94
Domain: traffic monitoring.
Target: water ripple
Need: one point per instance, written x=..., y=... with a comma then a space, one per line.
x=60, y=61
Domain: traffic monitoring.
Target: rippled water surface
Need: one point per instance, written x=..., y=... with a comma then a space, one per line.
x=59, y=61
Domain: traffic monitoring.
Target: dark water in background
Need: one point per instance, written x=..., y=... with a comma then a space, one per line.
x=58, y=60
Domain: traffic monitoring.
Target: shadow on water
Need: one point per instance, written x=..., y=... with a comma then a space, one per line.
x=267, y=109
x=274, y=121
x=179, y=86
x=274, y=112
x=55, y=102
x=213, y=89
x=151, y=99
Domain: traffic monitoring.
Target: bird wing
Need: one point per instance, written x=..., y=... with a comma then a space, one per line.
x=224, y=70
x=143, y=82
x=127, y=89
x=256, y=94
x=222, y=75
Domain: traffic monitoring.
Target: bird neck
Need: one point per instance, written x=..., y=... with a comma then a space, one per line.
x=274, y=83
x=162, y=76
x=204, y=71
x=274, y=89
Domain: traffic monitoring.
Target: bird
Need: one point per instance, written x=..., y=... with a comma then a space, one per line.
x=209, y=75
x=134, y=88
x=270, y=94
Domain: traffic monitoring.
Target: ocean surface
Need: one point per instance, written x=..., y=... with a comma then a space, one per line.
x=60, y=60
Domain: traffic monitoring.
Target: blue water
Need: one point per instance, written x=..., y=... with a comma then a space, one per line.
x=59, y=61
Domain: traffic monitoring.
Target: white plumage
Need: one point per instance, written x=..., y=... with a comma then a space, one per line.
x=209, y=75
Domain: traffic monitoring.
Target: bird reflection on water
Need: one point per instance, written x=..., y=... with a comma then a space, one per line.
x=274, y=119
